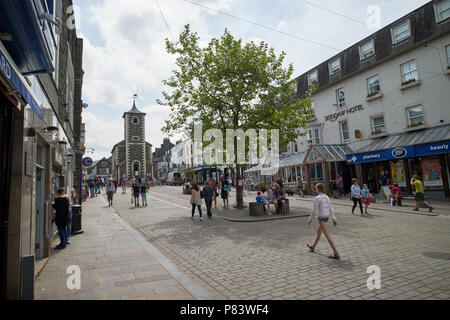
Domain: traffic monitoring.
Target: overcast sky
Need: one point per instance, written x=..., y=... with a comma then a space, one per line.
x=124, y=47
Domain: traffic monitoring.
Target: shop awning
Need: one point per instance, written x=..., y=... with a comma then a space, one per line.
x=254, y=169
x=293, y=160
x=33, y=42
x=17, y=81
x=424, y=142
x=328, y=152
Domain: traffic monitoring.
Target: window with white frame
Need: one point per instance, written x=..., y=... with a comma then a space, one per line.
x=340, y=97
x=447, y=50
x=136, y=138
x=409, y=71
x=366, y=50
x=335, y=66
x=311, y=106
x=401, y=32
x=316, y=136
x=373, y=85
x=344, y=131
x=415, y=116
x=442, y=10
x=378, y=124
x=313, y=78
x=309, y=139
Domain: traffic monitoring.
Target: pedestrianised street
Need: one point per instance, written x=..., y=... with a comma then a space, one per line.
x=267, y=259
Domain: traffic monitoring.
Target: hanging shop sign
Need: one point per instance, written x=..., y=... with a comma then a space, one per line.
x=333, y=117
x=87, y=162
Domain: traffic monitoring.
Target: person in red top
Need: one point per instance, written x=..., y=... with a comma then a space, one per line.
x=115, y=185
x=396, y=193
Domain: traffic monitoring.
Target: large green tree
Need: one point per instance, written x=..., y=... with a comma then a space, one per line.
x=231, y=85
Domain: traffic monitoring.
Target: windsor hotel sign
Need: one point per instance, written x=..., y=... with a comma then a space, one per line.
x=333, y=117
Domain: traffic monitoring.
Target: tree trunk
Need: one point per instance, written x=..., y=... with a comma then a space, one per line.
x=239, y=187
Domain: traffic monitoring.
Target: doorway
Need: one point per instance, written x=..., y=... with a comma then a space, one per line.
x=6, y=137
x=41, y=212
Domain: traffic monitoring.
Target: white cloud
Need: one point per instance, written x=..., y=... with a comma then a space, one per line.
x=127, y=54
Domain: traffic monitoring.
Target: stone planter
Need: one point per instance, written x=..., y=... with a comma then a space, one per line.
x=256, y=208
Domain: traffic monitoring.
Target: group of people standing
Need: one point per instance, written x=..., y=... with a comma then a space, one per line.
x=94, y=186
x=360, y=196
x=209, y=193
x=139, y=189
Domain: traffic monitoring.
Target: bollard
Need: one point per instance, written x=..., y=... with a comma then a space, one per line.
x=76, y=219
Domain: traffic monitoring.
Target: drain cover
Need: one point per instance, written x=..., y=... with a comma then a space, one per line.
x=437, y=255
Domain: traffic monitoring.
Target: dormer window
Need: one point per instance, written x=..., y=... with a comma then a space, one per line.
x=366, y=50
x=335, y=66
x=135, y=120
x=401, y=32
x=313, y=78
x=442, y=9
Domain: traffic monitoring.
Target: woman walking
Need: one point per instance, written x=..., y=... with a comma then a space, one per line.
x=322, y=209
x=357, y=195
x=110, y=188
x=196, y=200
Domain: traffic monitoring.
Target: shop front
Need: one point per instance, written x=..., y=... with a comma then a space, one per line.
x=324, y=164
x=429, y=161
x=291, y=167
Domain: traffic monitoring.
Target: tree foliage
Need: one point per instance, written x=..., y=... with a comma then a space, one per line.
x=231, y=85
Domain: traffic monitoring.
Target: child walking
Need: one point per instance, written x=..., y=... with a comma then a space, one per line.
x=144, y=193
x=322, y=209
x=366, y=197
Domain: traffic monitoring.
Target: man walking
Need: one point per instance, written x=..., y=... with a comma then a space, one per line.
x=420, y=195
x=208, y=191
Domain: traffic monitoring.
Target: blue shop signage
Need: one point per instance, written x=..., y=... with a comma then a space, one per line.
x=401, y=153
x=433, y=148
x=383, y=155
x=13, y=77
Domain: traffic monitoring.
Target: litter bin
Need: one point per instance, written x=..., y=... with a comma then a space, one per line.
x=76, y=219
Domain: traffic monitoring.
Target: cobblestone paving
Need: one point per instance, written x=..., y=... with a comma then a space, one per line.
x=270, y=260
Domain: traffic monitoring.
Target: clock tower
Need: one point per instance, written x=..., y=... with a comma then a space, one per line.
x=135, y=145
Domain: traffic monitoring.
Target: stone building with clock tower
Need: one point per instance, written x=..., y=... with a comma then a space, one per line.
x=132, y=157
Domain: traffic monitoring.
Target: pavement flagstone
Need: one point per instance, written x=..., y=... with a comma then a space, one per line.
x=115, y=263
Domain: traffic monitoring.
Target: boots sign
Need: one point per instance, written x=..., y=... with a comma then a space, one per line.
x=333, y=117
